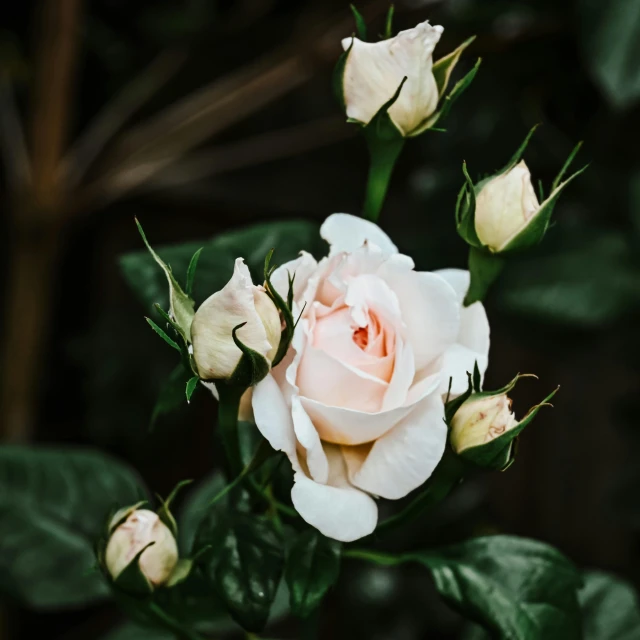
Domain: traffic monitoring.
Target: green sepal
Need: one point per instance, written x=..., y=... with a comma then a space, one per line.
x=466, y=211
x=182, y=306
x=446, y=104
x=361, y=25
x=451, y=406
x=251, y=368
x=163, y=334
x=313, y=567
x=117, y=518
x=284, y=307
x=131, y=579
x=499, y=453
x=388, y=23
x=484, y=269
x=338, y=78
x=180, y=572
x=515, y=158
x=443, y=68
x=164, y=512
x=385, y=142
x=192, y=383
x=533, y=233
x=191, y=270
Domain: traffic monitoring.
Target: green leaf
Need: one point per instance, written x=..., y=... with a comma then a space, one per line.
x=171, y=396
x=313, y=566
x=585, y=280
x=484, y=268
x=192, y=383
x=361, y=25
x=517, y=589
x=217, y=258
x=610, y=34
x=196, y=508
x=610, y=608
x=182, y=306
x=245, y=564
x=54, y=503
x=132, y=631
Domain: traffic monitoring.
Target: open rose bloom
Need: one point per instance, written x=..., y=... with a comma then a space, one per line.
x=357, y=403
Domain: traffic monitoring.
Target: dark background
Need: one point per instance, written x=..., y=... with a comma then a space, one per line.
x=237, y=124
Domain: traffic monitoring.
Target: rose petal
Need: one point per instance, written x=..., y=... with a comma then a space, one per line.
x=473, y=339
x=302, y=268
x=346, y=426
x=273, y=416
x=430, y=310
x=374, y=71
x=308, y=437
x=338, y=511
x=214, y=350
x=405, y=457
x=345, y=232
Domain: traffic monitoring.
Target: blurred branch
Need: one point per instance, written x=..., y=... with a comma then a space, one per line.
x=35, y=220
x=263, y=148
x=116, y=113
x=55, y=68
x=151, y=147
x=14, y=147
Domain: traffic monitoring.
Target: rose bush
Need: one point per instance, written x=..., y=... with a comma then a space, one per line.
x=357, y=403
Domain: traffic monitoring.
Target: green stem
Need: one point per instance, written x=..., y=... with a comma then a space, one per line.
x=446, y=476
x=382, y=161
x=228, y=406
x=173, y=625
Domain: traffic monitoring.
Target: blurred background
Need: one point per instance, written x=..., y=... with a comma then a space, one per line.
x=206, y=116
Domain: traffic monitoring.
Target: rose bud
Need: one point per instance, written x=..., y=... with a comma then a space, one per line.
x=374, y=70
x=215, y=353
x=505, y=205
x=142, y=528
x=481, y=420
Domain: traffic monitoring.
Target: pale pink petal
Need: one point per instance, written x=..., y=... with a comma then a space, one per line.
x=308, y=437
x=338, y=511
x=401, y=460
x=323, y=378
x=430, y=311
x=273, y=416
x=345, y=232
x=345, y=426
x=402, y=378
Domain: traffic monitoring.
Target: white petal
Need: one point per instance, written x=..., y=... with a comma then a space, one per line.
x=404, y=458
x=273, y=416
x=472, y=343
x=214, y=350
x=430, y=310
x=346, y=426
x=308, y=437
x=339, y=511
x=374, y=71
x=345, y=232
x=302, y=268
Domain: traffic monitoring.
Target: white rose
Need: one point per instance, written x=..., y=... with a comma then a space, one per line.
x=215, y=353
x=481, y=420
x=141, y=528
x=504, y=207
x=357, y=402
x=374, y=71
